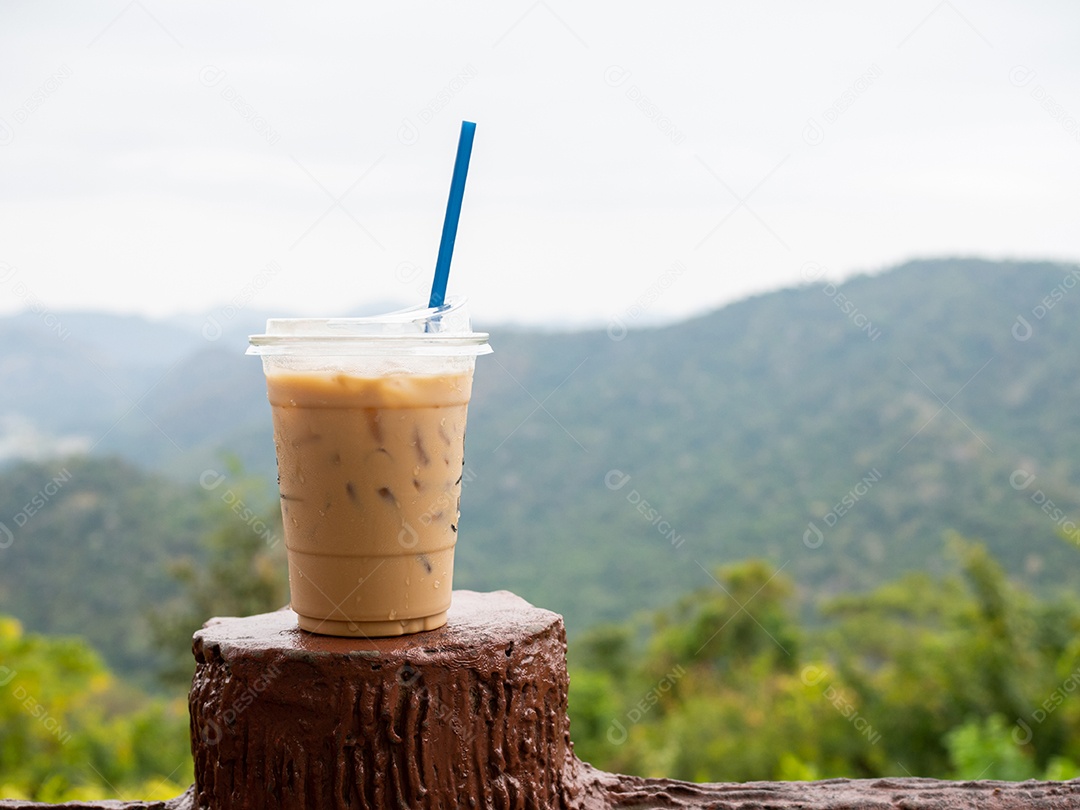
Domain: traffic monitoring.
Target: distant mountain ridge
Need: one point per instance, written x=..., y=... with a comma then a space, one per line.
x=838, y=429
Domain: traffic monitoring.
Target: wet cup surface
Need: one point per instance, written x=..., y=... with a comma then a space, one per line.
x=369, y=427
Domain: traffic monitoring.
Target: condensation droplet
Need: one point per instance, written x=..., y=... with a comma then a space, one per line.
x=392, y=615
x=436, y=583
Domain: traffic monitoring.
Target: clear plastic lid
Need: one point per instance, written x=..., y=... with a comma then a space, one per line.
x=418, y=330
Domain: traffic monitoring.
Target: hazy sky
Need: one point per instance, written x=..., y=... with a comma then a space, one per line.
x=638, y=160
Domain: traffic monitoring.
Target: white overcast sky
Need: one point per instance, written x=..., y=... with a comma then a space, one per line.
x=658, y=159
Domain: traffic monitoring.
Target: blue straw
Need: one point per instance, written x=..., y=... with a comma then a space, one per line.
x=453, y=212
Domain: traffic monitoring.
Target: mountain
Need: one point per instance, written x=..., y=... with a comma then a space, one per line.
x=613, y=473
x=839, y=430
x=84, y=548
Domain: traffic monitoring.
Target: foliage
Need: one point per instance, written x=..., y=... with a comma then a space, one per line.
x=979, y=747
x=133, y=562
x=239, y=572
x=90, y=539
x=70, y=730
x=962, y=676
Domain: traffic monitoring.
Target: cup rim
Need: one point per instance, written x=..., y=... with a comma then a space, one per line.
x=419, y=330
x=474, y=344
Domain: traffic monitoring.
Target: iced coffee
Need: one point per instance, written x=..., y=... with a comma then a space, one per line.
x=370, y=452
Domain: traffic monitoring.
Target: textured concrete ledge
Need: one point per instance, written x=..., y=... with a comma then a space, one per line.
x=185, y=802
x=605, y=791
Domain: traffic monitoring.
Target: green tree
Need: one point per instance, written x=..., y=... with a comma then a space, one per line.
x=933, y=655
x=70, y=730
x=700, y=696
x=947, y=676
x=240, y=570
x=984, y=749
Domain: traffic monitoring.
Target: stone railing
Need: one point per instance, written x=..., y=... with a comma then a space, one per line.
x=470, y=715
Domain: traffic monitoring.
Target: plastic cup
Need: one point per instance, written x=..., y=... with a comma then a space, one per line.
x=369, y=427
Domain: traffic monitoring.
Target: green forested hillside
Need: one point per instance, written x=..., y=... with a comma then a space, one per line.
x=86, y=549
x=839, y=438
x=744, y=427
